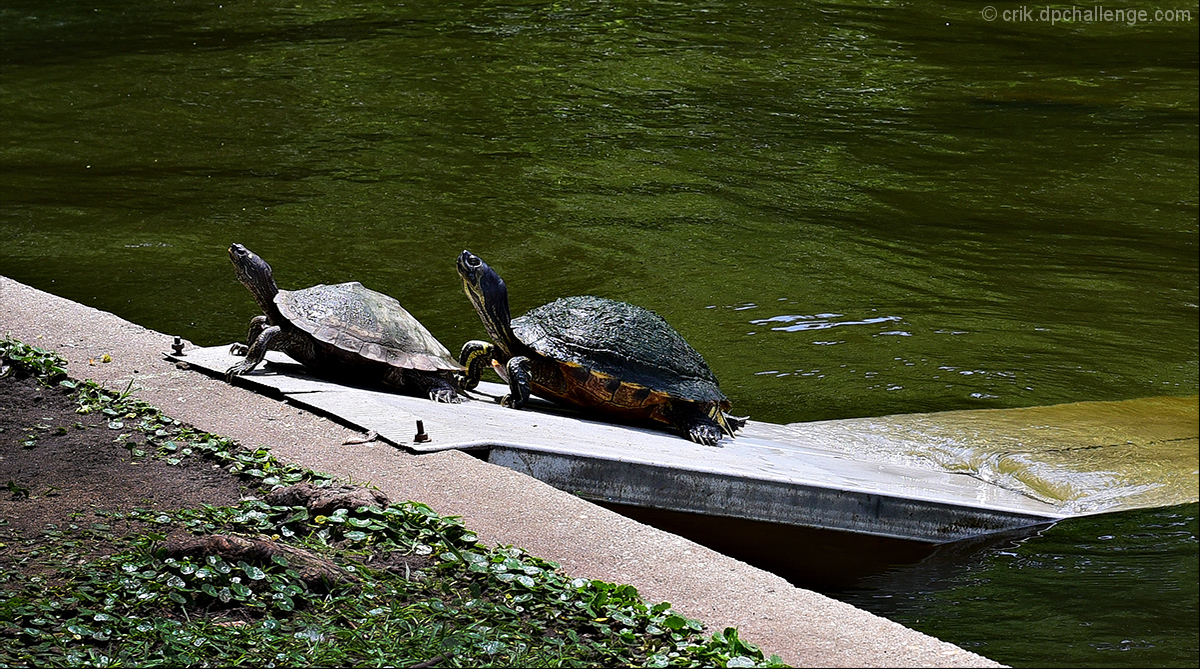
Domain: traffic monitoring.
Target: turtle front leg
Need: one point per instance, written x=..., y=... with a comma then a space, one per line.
x=704, y=431
x=518, y=382
x=256, y=353
x=697, y=424
x=476, y=356
x=257, y=325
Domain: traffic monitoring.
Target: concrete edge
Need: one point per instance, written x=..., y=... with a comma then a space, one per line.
x=503, y=507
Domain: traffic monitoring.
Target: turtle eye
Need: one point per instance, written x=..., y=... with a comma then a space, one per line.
x=474, y=261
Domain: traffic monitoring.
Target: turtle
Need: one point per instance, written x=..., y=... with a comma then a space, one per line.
x=606, y=356
x=344, y=330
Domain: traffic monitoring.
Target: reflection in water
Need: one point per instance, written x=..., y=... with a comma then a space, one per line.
x=1067, y=596
x=1063, y=595
x=827, y=561
x=798, y=323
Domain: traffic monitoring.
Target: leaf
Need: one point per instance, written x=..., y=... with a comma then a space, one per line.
x=674, y=622
x=299, y=514
x=623, y=619
x=254, y=573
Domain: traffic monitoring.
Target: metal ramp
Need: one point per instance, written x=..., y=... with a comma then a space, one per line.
x=868, y=476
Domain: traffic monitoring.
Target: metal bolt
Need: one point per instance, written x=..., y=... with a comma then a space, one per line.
x=421, y=436
x=178, y=346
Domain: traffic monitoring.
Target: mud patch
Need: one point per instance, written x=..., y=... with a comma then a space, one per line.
x=64, y=474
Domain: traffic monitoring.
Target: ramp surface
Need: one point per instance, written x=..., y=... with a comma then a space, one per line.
x=927, y=477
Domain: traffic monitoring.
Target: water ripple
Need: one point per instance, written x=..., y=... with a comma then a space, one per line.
x=799, y=322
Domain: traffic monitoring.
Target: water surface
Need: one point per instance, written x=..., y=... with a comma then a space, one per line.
x=1048, y=599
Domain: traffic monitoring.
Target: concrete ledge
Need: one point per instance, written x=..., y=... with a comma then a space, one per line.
x=500, y=505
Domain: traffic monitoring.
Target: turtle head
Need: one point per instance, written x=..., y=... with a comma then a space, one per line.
x=255, y=274
x=489, y=295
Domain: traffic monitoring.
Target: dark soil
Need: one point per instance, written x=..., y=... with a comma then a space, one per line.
x=63, y=474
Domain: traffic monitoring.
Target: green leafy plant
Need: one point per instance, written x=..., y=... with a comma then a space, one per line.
x=418, y=587
x=22, y=359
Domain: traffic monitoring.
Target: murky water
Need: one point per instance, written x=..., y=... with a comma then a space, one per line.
x=851, y=209
x=1049, y=600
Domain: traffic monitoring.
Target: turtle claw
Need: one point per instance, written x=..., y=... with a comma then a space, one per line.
x=513, y=401
x=238, y=348
x=707, y=434
x=732, y=424
x=445, y=396
x=239, y=369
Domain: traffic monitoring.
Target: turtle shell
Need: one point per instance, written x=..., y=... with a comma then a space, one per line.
x=632, y=345
x=366, y=323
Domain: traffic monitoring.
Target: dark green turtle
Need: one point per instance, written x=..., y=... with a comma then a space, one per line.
x=347, y=331
x=600, y=354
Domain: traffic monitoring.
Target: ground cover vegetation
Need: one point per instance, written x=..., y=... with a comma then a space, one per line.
x=292, y=568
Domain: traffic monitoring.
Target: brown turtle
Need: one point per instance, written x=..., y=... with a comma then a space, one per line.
x=346, y=330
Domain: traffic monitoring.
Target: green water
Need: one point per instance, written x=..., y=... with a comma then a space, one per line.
x=1046, y=600
x=850, y=208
